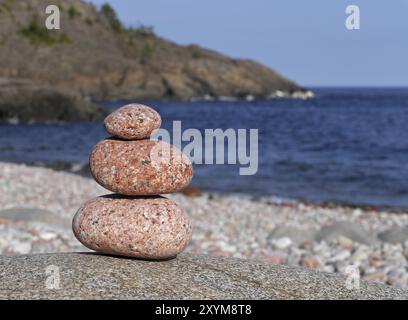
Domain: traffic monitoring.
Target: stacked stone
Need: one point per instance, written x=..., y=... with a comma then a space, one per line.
x=135, y=221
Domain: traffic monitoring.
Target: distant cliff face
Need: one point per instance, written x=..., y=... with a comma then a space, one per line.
x=94, y=55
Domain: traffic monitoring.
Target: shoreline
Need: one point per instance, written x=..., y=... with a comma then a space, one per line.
x=96, y=110
x=82, y=170
x=37, y=205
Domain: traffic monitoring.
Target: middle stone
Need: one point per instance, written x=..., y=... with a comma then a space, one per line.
x=140, y=167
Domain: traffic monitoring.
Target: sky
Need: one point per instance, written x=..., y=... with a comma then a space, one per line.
x=304, y=40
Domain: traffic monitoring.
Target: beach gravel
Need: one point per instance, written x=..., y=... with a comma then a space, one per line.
x=239, y=226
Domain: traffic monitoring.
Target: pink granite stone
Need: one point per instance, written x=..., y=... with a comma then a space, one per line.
x=141, y=227
x=140, y=167
x=133, y=121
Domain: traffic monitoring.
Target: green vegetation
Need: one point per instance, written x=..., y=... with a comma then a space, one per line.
x=73, y=12
x=39, y=34
x=147, y=53
x=109, y=13
x=112, y=17
x=133, y=35
x=89, y=21
x=195, y=51
x=4, y=8
x=130, y=41
x=144, y=30
x=4, y=39
x=196, y=54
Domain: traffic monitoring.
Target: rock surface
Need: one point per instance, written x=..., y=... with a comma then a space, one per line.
x=92, y=276
x=395, y=235
x=33, y=214
x=339, y=229
x=297, y=235
x=143, y=227
x=132, y=121
x=27, y=101
x=140, y=167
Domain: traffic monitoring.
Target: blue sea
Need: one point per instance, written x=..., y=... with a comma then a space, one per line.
x=348, y=145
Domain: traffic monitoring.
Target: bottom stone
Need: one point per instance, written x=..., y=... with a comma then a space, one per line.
x=151, y=227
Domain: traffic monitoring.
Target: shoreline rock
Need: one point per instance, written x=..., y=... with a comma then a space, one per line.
x=303, y=94
x=22, y=101
x=352, y=231
x=395, y=235
x=189, y=276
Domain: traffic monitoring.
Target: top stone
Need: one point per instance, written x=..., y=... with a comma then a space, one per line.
x=132, y=122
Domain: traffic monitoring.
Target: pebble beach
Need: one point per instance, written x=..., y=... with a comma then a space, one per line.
x=37, y=206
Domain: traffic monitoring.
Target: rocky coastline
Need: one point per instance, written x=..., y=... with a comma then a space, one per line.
x=22, y=101
x=96, y=58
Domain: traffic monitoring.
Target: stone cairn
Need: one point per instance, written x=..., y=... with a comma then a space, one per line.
x=135, y=221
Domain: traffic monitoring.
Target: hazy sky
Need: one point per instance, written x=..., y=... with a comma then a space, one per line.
x=305, y=40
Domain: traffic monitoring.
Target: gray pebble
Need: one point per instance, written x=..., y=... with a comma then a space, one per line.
x=297, y=235
x=346, y=229
x=395, y=235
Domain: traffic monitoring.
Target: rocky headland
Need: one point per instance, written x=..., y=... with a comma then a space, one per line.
x=94, y=57
x=27, y=102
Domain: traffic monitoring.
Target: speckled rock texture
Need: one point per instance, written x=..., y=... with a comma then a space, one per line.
x=140, y=167
x=135, y=221
x=189, y=276
x=133, y=121
x=142, y=227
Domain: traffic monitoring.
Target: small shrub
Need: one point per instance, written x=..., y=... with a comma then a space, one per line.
x=73, y=12
x=130, y=42
x=147, y=53
x=195, y=51
x=4, y=8
x=38, y=34
x=112, y=17
x=3, y=40
x=88, y=21
x=63, y=38
x=196, y=54
x=145, y=30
